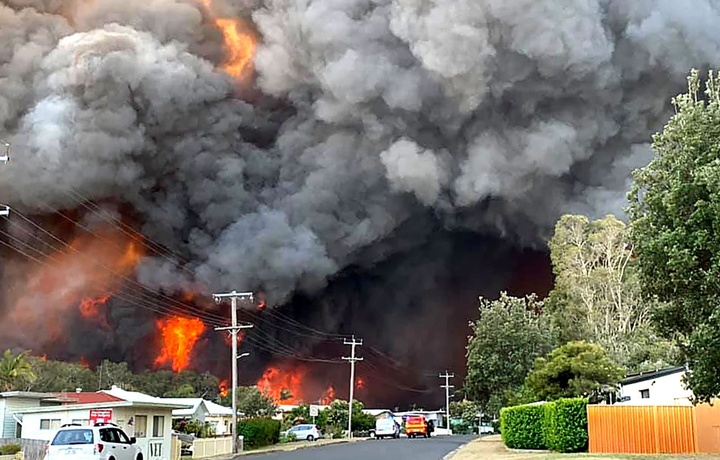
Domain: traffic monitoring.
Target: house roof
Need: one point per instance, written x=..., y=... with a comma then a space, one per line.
x=27, y=395
x=191, y=405
x=141, y=399
x=87, y=398
x=376, y=412
x=643, y=376
x=217, y=409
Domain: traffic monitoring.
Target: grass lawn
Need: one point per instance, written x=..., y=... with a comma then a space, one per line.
x=492, y=448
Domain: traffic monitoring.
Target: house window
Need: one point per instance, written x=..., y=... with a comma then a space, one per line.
x=140, y=426
x=645, y=394
x=158, y=426
x=49, y=424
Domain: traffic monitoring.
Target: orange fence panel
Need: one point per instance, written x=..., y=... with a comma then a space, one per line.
x=642, y=429
x=708, y=428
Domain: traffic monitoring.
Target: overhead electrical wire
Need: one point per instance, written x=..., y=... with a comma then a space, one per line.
x=133, y=300
x=182, y=305
x=180, y=308
x=151, y=244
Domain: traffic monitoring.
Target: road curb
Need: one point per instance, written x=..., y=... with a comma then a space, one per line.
x=301, y=447
x=451, y=454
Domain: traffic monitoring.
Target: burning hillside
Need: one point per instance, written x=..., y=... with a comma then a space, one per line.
x=372, y=166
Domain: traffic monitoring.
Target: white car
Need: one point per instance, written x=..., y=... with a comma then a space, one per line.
x=101, y=442
x=386, y=428
x=304, y=432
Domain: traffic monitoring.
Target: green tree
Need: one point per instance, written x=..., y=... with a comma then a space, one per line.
x=14, y=370
x=253, y=403
x=338, y=413
x=301, y=414
x=675, y=221
x=576, y=369
x=597, y=294
x=60, y=376
x=465, y=410
x=111, y=373
x=507, y=337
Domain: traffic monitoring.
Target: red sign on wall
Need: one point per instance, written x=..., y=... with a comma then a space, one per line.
x=100, y=416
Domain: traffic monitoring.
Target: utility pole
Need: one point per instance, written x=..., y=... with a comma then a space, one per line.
x=234, y=328
x=353, y=343
x=5, y=210
x=447, y=387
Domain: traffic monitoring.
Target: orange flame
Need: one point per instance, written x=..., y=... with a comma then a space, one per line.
x=223, y=387
x=92, y=262
x=228, y=338
x=328, y=397
x=89, y=309
x=84, y=363
x=179, y=336
x=239, y=44
x=284, y=387
x=360, y=383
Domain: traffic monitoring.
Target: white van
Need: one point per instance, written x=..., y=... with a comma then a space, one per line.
x=386, y=428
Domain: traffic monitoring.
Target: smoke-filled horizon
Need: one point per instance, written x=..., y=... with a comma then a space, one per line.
x=368, y=131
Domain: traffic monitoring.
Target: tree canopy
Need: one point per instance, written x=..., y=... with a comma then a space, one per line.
x=34, y=373
x=675, y=227
x=597, y=294
x=15, y=370
x=253, y=403
x=507, y=337
x=573, y=370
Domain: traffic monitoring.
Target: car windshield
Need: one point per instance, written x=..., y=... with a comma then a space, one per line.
x=70, y=437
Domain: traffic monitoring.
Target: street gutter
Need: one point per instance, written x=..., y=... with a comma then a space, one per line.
x=288, y=447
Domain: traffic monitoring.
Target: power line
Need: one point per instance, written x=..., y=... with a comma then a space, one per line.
x=353, y=359
x=182, y=305
x=130, y=298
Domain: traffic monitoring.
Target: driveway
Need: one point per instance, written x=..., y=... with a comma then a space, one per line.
x=387, y=449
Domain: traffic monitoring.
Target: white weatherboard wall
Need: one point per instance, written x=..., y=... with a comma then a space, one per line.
x=153, y=447
x=663, y=391
x=11, y=406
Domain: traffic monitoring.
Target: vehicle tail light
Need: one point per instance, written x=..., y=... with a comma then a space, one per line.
x=99, y=448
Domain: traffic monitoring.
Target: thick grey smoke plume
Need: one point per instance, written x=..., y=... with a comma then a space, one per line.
x=495, y=116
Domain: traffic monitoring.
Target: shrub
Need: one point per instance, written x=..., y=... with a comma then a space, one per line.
x=259, y=432
x=335, y=432
x=522, y=427
x=566, y=425
x=10, y=449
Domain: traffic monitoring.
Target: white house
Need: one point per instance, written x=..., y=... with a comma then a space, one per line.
x=219, y=417
x=13, y=401
x=147, y=418
x=663, y=387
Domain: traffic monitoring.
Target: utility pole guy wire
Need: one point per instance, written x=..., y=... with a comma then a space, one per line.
x=234, y=328
x=353, y=343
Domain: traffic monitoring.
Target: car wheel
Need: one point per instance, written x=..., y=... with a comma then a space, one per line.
x=311, y=438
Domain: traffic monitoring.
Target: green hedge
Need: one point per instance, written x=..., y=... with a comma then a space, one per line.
x=10, y=449
x=559, y=425
x=259, y=432
x=566, y=425
x=522, y=427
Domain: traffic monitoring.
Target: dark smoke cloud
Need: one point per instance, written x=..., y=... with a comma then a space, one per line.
x=493, y=116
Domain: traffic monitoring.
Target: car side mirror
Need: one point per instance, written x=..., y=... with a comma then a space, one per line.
x=133, y=440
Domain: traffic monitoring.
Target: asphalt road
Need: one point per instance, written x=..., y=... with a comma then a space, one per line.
x=434, y=448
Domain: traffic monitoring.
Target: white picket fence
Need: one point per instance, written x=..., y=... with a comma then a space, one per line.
x=210, y=447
